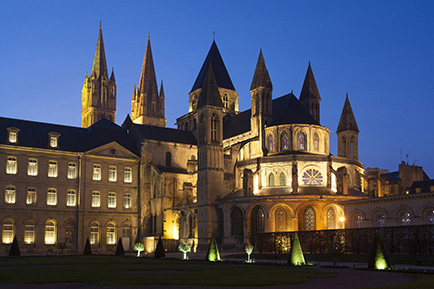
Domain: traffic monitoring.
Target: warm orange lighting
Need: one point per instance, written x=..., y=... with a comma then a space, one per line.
x=342, y=219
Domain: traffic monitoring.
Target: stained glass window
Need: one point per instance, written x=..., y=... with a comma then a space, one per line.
x=430, y=217
x=358, y=220
x=312, y=177
x=301, y=141
x=280, y=220
x=316, y=142
x=282, y=179
x=309, y=219
x=270, y=143
x=381, y=221
x=284, y=141
x=331, y=219
x=405, y=219
x=271, y=180
x=260, y=221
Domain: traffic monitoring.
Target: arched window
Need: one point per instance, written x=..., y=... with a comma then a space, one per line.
x=193, y=101
x=270, y=143
x=312, y=177
x=284, y=141
x=316, y=142
x=381, y=220
x=280, y=217
x=331, y=219
x=301, y=141
x=29, y=232
x=358, y=220
x=237, y=223
x=260, y=221
x=282, y=179
x=213, y=127
x=344, y=147
x=8, y=232
x=202, y=135
x=429, y=219
x=69, y=232
x=50, y=233
x=309, y=219
x=111, y=234
x=405, y=218
x=168, y=159
x=271, y=180
x=94, y=234
x=225, y=100
x=352, y=147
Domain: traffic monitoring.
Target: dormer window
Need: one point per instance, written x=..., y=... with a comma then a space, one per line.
x=53, y=139
x=13, y=134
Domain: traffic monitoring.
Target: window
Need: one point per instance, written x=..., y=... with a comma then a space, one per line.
x=331, y=219
x=10, y=195
x=11, y=165
x=69, y=232
x=260, y=221
x=111, y=234
x=53, y=139
x=127, y=201
x=50, y=233
x=96, y=200
x=29, y=232
x=312, y=177
x=52, y=169
x=237, y=223
x=168, y=159
x=72, y=170
x=270, y=143
x=381, y=220
x=52, y=197
x=31, y=196
x=112, y=174
x=128, y=175
x=405, y=219
x=271, y=180
x=282, y=179
x=13, y=134
x=309, y=219
x=213, y=127
x=316, y=142
x=284, y=141
x=8, y=232
x=126, y=231
x=344, y=147
x=111, y=200
x=32, y=169
x=70, y=198
x=96, y=173
x=301, y=141
x=358, y=221
x=94, y=234
x=280, y=220
x=225, y=100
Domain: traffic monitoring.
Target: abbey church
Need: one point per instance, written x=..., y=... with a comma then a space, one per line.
x=222, y=173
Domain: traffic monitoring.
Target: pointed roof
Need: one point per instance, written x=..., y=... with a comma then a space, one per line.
x=99, y=67
x=261, y=78
x=209, y=94
x=347, y=121
x=309, y=89
x=112, y=76
x=161, y=90
x=148, y=81
x=219, y=69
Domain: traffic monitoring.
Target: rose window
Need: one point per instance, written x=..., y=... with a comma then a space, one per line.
x=312, y=177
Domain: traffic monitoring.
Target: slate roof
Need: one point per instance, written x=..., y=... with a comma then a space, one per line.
x=392, y=177
x=236, y=124
x=220, y=72
x=261, y=78
x=74, y=139
x=209, y=95
x=140, y=132
x=425, y=186
x=309, y=89
x=347, y=120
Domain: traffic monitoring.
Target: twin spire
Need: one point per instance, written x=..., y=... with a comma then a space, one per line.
x=99, y=67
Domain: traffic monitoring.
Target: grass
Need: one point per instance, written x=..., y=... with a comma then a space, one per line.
x=422, y=282
x=130, y=271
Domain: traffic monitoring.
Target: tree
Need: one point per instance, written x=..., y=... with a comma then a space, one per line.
x=120, y=248
x=213, y=251
x=159, y=251
x=184, y=248
x=87, y=249
x=378, y=259
x=337, y=246
x=139, y=247
x=14, y=250
x=296, y=257
x=249, y=250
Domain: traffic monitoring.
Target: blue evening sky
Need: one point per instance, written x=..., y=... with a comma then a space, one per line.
x=380, y=52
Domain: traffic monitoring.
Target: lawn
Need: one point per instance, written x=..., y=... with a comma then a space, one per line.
x=129, y=271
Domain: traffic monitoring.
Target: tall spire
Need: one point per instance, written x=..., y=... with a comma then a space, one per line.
x=261, y=78
x=209, y=94
x=148, y=82
x=309, y=89
x=161, y=90
x=347, y=121
x=99, y=67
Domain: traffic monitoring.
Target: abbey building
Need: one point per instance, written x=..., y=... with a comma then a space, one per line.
x=222, y=173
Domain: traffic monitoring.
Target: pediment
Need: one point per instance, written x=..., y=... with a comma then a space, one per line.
x=113, y=150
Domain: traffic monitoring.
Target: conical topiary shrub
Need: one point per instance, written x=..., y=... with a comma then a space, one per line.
x=120, y=248
x=296, y=257
x=87, y=250
x=159, y=251
x=378, y=259
x=213, y=251
x=14, y=250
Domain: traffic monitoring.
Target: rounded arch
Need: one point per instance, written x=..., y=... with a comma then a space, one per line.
x=8, y=230
x=282, y=215
x=401, y=209
x=379, y=217
x=50, y=230
x=237, y=223
x=403, y=215
x=257, y=219
x=301, y=139
x=311, y=223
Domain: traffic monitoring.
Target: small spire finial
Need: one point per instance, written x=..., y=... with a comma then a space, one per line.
x=213, y=36
x=347, y=93
x=149, y=36
x=100, y=24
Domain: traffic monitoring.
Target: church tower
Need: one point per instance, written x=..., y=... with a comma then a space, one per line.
x=262, y=109
x=309, y=95
x=147, y=106
x=210, y=157
x=348, y=132
x=99, y=91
